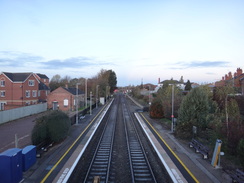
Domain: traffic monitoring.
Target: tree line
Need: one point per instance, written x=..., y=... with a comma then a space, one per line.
x=106, y=79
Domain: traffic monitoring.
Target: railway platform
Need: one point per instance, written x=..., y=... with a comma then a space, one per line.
x=200, y=168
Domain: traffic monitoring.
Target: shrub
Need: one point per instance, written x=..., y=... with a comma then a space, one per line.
x=52, y=127
x=156, y=110
x=58, y=126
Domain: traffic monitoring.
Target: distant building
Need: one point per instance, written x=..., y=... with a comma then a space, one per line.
x=21, y=89
x=64, y=98
x=234, y=81
x=181, y=85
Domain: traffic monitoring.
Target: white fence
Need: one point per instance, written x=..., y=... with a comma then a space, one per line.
x=21, y=112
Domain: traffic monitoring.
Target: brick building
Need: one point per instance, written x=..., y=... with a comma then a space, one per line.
x=235, y=80
x=64, y=98
x=21, y=89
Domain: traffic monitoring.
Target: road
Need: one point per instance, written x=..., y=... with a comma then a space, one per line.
x=22, y=127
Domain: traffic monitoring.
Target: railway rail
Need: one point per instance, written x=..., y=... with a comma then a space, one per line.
x=100, y=164
x=140, y=167
x=119, y=151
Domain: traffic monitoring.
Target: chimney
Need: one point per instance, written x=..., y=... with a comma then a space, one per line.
x=230, y=75
x=66, y=85
x=239, y=71
x=158, y=80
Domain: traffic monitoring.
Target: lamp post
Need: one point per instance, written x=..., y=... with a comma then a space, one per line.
x=77, y=103
x=86, y=92
x=172, y=113
x=149, y=102
x=90, y=102
x=97, y=95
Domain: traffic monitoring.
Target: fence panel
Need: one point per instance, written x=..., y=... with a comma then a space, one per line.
x=21, y=112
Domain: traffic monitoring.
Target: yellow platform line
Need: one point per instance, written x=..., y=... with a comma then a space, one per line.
x=50, y=171
x=194, y=178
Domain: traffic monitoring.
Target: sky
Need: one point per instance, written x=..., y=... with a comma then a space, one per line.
x=140, y=40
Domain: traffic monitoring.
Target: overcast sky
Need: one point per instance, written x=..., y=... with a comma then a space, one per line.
x=138, y=39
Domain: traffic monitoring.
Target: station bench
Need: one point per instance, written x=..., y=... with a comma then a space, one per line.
x=199, y=148
x=236, y=175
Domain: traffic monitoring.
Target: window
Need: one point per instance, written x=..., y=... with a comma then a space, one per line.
x=66, y=102
x=34, y=93
x=31, y=83
x=2, y=93
x=2, y=83
x=27, y=93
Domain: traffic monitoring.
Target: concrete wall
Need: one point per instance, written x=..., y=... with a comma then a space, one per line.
x=21, y=112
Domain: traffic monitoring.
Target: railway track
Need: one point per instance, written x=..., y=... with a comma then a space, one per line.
x=101, y=161
x=116, y=153
x=140, y=167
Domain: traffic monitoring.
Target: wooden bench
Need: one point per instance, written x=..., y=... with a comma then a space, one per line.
x=236, y=175
x=199, y=148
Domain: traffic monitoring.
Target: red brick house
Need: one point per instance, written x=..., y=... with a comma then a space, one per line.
x=63, y=98
x=235, y=81
x=21, y=89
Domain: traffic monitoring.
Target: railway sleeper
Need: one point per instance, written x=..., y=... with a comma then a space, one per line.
x=100, y=162
x=141, y=171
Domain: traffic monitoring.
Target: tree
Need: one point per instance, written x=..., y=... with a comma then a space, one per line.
x=73, y=82
x=112, y=80
x=55, y=82
x=188, y=86
x=65, y=81
x=156, y=109
x=165, y=96
x=194, y=111
x=105, y=78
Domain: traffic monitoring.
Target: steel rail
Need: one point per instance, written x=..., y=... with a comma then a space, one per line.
x=141, y=170
x=101, y=161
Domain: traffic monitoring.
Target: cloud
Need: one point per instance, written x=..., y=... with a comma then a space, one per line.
x=200, y=64
x=20, y=59
x=210, y=73
x=17, y=59
x=73, y=62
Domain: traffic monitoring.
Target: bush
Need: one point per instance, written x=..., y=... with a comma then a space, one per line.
x=52, y=127
x=156, y=110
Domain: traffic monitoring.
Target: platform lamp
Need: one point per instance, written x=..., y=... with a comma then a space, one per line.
x=77, y=120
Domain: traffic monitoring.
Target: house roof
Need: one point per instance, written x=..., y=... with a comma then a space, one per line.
x=17, y=77
x=42, y=76
x=21, y=77
x=73, y=91
x=42, y=86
